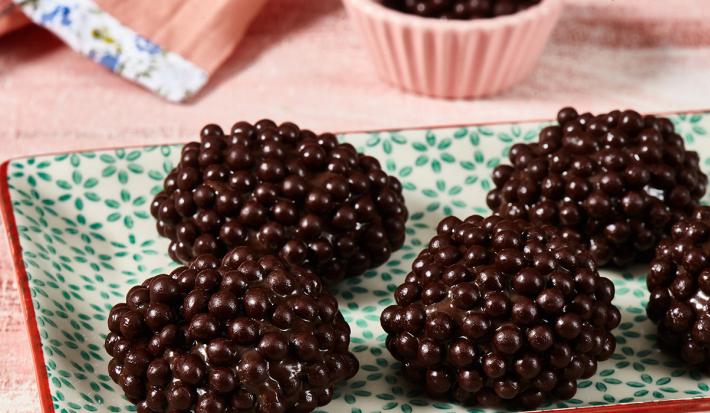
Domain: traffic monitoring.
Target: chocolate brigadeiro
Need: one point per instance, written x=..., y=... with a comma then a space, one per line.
x=459, y=9
x=499, y=311
x=285, y=191
x=679, y=282
x=617, y=181
x=251, y=334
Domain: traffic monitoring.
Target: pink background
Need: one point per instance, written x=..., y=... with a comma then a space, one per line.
x=302, y=61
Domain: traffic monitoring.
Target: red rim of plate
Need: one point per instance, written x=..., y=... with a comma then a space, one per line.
x=28, y=310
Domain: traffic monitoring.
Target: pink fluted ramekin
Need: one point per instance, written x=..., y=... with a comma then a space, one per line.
x=454, y=59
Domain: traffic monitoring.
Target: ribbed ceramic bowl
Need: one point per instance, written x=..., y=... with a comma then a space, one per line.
x=454, y=59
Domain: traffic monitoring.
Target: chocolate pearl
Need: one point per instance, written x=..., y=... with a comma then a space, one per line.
x=252, y=214
x=207, y=279
x=195, y=302
x=190, y=369
x=158, y=315
x=560, y=355
x=438, y=326
x=566, y=114
x=528, y=367
x=679, y=317
x=111, y=340
x=158, y=373
x=407, y=293
x=132, y=386
x=203, y=327
x=475, y=325
x=692, y=353
x=461, y=353
x=568, y=326
x=463, y=296
x=221, y=380
x=242, y=330
x=242, y=400
x=590, y=367
x=528, y=282
x=507, y=340
x=273, y=346
x=208, y=403
x=540, y=338
x=429, y=353
x=433, y=293
x=700, y=331
x=437, y=381
x=494, y=366
x=313, y=157
x=223, y=305
x=283, y=316
x=524, y=312
x=270, y=401
x=238, y=157
x=469, y=380
x=682, y=287
x=188, y=179
x=116, y=313
x=531, y=399
x=252, y=367
x=310, y=227
x=209, y=131
x=179, y=397
x=250, y=270
x=551, y=301
x=163, y=289
x=136, y=362
x=220, y=352
x=256, y=303
x=131, y=324
x=240, y=181
x=506, y=389
x=510, y=260
x=585, y=281
x=495, y=304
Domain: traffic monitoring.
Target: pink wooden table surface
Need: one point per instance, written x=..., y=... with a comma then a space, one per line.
x=303, y=61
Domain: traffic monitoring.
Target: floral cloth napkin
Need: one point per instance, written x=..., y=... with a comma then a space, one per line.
x=167, y=46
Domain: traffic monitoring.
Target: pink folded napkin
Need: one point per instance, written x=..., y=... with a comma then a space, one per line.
x=168, y=46
x=11, y=17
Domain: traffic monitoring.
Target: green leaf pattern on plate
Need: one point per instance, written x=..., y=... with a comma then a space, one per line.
x=87, y=236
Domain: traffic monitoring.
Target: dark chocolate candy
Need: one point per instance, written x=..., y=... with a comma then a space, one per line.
x=460, y=9
x=679, y=283
x=501, y=311
x=616, y=181
x=283, y=191
x=249, y=335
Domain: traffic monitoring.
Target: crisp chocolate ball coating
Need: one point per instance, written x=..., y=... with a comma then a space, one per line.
x=460, y=9
x=249, y=334
x=616, y=181
x=282, y=191
x=501, y=311
x=679, y=283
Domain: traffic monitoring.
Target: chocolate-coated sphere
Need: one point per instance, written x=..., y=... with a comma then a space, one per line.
x=282, y=191
x=252, y=334
x=679, y=286
x=501, y=311
x=616, y=181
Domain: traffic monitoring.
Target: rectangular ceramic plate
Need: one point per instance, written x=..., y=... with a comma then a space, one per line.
x=81, y=235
